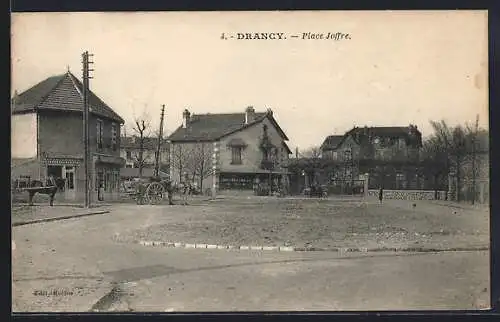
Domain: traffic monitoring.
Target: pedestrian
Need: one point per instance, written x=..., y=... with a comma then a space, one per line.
x=51, y=182
x=170, y=191
x=186, y=189
x=381, y=194
x=100, y=191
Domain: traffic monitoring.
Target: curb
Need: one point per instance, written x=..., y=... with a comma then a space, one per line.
x=312, y=249
x=37, y=221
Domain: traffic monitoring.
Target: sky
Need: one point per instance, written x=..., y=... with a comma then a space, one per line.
x=397, y=68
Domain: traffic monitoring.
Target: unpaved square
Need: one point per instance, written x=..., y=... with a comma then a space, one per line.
x=326, y=223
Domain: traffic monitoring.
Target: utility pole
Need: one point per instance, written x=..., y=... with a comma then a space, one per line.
x=160, y=135
x=474, y=136
x=352, y=166
x=86, y=161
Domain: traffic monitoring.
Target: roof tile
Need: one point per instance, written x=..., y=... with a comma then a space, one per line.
x=61, y=92
x=331, y=142
x=209, y=127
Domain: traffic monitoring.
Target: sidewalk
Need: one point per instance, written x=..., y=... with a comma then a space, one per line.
x=24, y=214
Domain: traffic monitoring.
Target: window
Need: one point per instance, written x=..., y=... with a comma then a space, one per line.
x=113, y=136
x=334, y=155
x=348, y=155
x=400, y=181
x=236, y=155
x=129, y=155
x=99, y=133
x=402, y=143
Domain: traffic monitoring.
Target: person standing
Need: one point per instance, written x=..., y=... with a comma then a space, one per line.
x=186, y=188
x=380, y=194
x=170, y=191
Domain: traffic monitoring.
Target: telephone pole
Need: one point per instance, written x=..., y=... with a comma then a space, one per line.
x=160, y=135
x=86, y=161
x=474, y=137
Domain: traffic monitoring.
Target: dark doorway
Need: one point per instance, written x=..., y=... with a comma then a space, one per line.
x=54, y=170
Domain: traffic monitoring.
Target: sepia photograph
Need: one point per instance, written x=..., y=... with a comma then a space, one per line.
x=250, y=161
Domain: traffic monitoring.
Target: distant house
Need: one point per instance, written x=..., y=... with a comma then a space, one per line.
x=390, y=155
x=330, y=145
x=130, y=149
x=229, y=151
x=375, y=143
x=47, y=136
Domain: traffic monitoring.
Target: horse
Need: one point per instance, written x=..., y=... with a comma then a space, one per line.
x=169, y=187
x=185, y=189
x=50, y=188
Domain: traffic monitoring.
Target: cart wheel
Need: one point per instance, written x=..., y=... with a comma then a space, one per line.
x=154, y=193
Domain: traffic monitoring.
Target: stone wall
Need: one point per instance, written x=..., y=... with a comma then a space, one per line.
x=408, y=194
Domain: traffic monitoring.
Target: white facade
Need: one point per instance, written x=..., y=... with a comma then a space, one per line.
x=24, y=135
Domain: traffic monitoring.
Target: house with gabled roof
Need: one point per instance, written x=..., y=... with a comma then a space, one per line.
x=229, y=151
x=330, y=144
x=388, y=154
x=47, y=136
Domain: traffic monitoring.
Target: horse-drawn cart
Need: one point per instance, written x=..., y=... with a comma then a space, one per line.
x=150, y=191
x=36, y=186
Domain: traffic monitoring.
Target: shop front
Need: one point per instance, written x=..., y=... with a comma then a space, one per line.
x=68, y=168
x=106, y=177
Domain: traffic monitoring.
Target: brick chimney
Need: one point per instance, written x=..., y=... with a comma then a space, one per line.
x=249, y=114
x=186, y=116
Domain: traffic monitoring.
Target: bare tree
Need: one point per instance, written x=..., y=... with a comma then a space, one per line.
x=452, y=145
x=441, y=141
x=473, y=133
x=312, y=163
x=140, y=127
x=313, y=153
x=458, y=152
x=180, y=155
x=200, y=161
x=435, y=159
